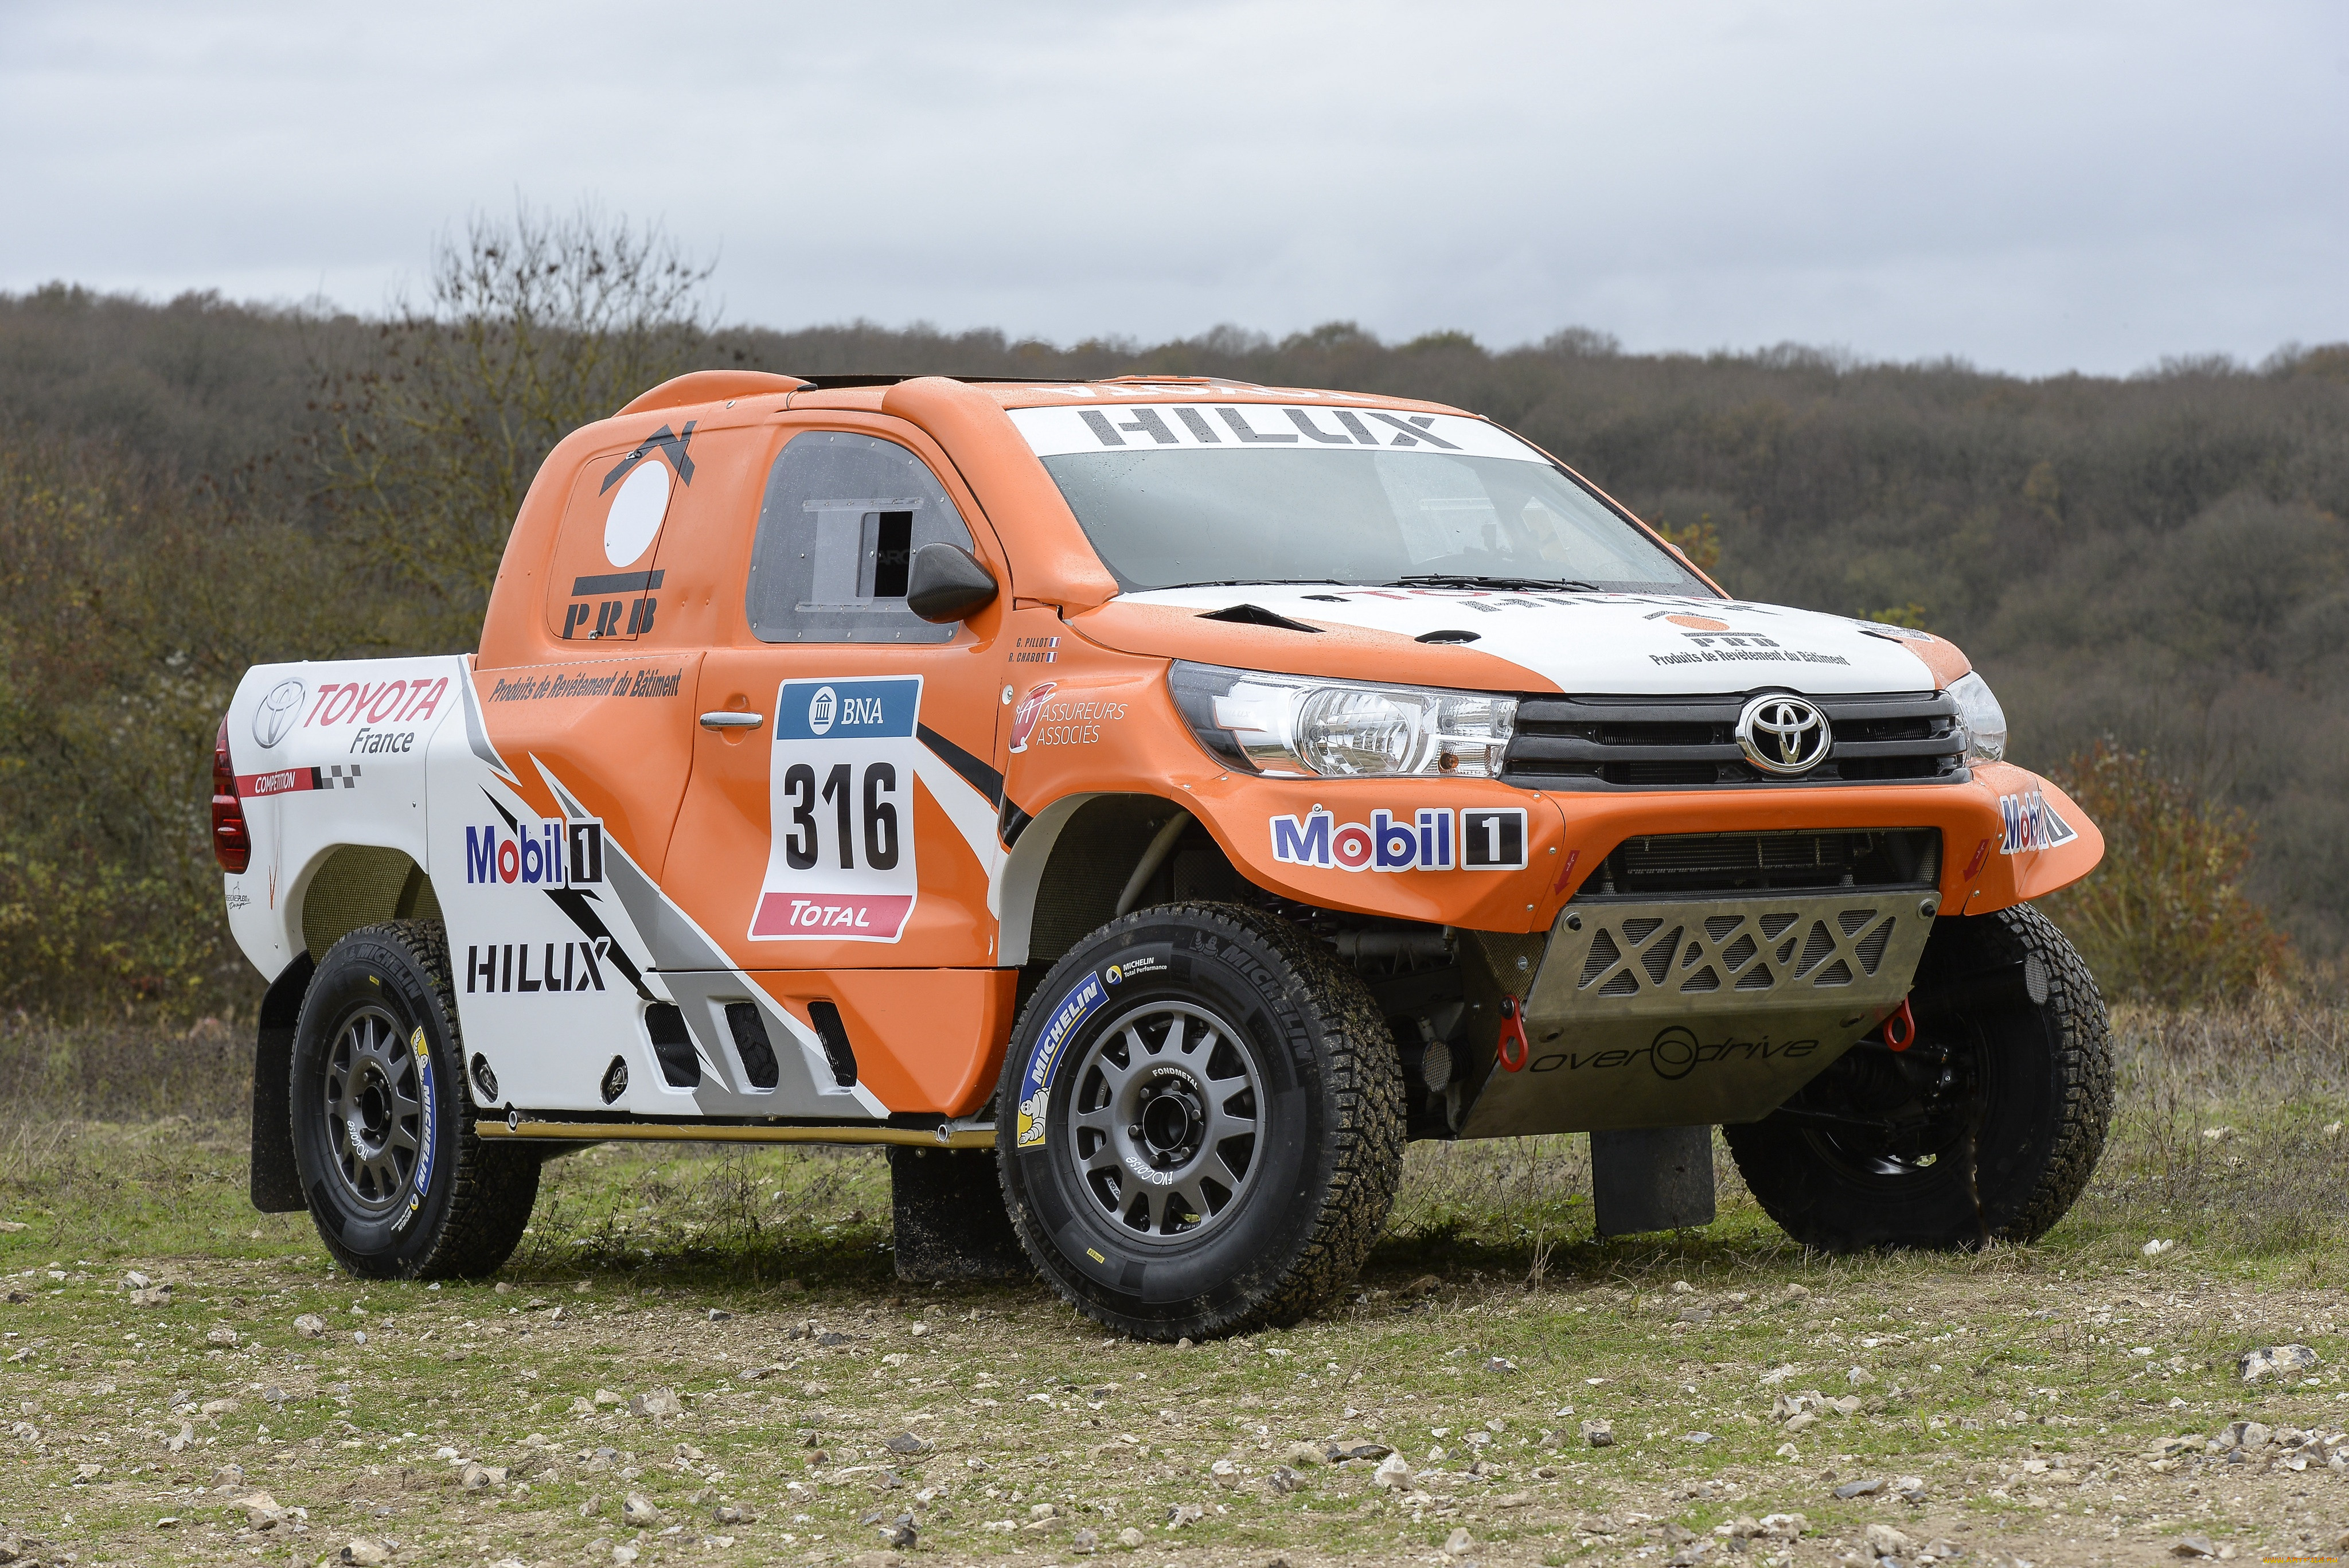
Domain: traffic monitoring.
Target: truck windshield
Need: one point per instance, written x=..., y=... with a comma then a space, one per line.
x=1186, y=494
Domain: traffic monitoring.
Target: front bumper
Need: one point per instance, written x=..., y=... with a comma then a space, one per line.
x=1991, y=857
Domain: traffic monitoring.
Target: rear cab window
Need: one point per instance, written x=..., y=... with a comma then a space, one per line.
x=838, y=525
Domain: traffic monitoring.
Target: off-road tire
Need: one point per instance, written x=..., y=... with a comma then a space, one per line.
x=2021, y=1149
x=466, y=1216
x=1324, y=1163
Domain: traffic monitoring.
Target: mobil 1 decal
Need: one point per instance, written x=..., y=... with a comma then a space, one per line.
x=1493, y=840
x=1422, y=840
x=840, y=787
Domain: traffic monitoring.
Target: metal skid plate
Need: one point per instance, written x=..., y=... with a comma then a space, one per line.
x=1663, y=1013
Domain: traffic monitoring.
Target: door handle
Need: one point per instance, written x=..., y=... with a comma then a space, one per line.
x=732, y=720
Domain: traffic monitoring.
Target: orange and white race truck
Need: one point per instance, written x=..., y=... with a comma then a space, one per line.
x=1144, y=805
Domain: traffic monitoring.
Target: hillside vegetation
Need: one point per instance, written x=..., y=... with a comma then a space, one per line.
x=2158, y=563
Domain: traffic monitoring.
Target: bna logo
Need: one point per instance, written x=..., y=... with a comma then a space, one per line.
x=823, y=707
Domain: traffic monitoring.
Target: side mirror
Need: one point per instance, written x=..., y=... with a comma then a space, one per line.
x=946, y=582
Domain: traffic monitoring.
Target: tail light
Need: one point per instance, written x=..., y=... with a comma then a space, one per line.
x=232, y=845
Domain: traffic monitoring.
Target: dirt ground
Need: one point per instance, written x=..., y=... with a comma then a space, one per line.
x=2003, y=1411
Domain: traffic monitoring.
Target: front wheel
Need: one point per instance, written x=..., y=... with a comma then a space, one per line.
x=398, y=1184
x=1199, y=1123
x=1987, y=1128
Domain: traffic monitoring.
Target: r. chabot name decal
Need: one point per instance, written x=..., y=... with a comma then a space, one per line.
x=1469, y=839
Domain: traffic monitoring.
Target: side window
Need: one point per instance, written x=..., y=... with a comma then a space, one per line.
x=842, y=516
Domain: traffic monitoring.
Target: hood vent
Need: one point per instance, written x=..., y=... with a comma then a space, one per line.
x=1256, y=615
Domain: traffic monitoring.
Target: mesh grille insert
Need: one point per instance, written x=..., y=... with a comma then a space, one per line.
x=1604, y=955
x=1871, y=947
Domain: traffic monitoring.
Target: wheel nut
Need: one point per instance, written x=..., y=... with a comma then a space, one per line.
x=1133, y=1129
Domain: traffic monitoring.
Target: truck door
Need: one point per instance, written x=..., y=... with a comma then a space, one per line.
x=838, y=836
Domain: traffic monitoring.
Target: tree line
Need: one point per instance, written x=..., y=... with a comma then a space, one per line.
x=2152, y=571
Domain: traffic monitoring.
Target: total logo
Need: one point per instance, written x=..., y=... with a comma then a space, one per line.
x=541, y=854
x=1430, y=839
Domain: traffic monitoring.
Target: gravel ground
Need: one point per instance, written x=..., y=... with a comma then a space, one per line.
x=1982, y=1409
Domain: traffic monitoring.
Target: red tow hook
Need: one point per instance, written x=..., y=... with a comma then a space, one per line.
x=1512, y=1034
x=1900, y=1028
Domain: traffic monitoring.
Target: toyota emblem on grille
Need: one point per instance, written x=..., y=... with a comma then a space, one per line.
x=1782, y=735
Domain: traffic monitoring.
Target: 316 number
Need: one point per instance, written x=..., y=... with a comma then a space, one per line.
x=804, y=844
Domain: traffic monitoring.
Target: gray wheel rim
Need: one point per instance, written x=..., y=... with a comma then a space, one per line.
x=1165, y=1127
x=375, y=1110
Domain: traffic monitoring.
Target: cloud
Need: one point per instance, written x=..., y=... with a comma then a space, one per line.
x=2032, y=190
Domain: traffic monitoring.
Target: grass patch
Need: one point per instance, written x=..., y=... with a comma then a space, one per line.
x=2028, y=1389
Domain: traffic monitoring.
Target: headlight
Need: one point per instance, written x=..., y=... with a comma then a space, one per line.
x=1301, y=726
x=1985, y=719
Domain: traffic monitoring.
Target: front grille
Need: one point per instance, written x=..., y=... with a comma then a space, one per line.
x=1690, y=742
x=1682, y=863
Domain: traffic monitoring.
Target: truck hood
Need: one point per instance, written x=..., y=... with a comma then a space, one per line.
x=1614, y=644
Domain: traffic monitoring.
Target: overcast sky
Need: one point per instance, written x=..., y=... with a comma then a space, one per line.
x=2034, y=187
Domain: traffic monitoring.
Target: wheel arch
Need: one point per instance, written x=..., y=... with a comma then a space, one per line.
x=1072, y=862
x=357, y=885
x=354, y=884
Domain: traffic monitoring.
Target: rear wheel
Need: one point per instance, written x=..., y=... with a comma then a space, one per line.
x=397, y=1182
x=1987, y=1128
x=1209, y=1123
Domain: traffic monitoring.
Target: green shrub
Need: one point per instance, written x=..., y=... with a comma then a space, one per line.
x=2163, y=919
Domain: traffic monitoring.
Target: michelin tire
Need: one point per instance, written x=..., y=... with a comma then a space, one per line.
x=1199, y=1123
x=398, y=1181
x=2006, y=1008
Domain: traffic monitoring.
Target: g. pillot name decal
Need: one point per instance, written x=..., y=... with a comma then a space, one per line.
x=1674, y=1053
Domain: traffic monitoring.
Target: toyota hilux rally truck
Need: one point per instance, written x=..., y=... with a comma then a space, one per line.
x=1144, y=805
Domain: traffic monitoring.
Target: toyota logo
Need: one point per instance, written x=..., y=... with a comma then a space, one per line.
x=277, y=712
x=1782, y=735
